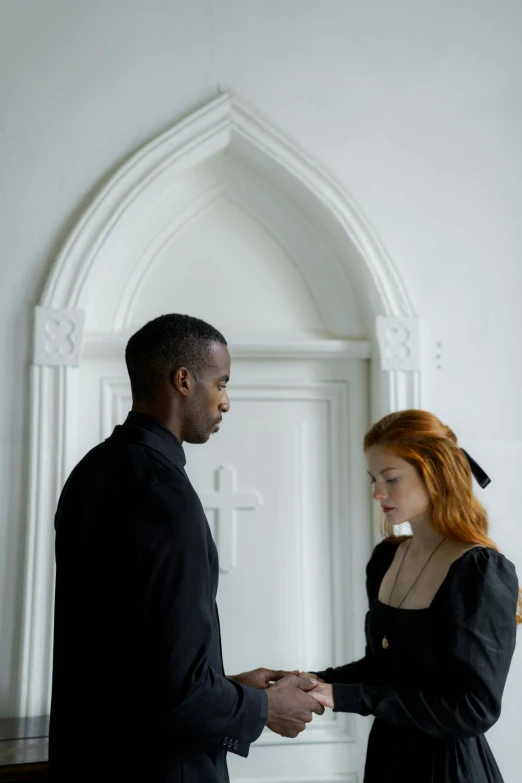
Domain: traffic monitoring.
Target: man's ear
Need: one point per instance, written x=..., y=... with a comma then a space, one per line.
x=182, y=381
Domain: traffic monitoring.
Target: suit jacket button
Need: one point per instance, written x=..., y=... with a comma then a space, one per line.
x=236, y=745
x=225, y=741
x=230, y=743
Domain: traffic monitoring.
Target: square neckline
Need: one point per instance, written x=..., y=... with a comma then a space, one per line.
x=439, y=589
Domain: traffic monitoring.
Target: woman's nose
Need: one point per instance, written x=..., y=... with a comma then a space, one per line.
x=379, y=493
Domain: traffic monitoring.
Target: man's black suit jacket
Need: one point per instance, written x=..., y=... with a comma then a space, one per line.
x=139, y=691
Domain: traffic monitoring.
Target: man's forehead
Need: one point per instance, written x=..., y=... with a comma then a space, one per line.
x=219, y=360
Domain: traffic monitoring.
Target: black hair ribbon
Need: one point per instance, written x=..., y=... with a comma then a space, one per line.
x=481, y=476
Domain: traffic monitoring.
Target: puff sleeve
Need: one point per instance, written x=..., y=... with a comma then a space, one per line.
x=479, y=629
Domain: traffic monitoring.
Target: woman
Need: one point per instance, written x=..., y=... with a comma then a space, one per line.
x=440, y=630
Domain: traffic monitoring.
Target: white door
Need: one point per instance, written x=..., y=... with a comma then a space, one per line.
x=286, y=498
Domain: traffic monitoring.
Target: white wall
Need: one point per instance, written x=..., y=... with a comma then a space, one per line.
x=416, y=107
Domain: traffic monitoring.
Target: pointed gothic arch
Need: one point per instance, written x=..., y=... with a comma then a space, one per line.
x=225, y=150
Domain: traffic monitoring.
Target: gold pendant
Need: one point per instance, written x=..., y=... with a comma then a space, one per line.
x=385, y=643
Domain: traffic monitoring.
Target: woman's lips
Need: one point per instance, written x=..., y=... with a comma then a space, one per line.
x=386, y=509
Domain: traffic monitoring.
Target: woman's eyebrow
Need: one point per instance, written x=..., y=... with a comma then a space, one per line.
x=382, y=471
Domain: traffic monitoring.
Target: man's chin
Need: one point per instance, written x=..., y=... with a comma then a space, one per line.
x=199, y=438
x=202, y=437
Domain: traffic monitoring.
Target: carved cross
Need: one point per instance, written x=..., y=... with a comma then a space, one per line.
x=226, y=500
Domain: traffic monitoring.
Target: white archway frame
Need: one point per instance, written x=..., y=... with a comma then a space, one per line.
x=224, y=124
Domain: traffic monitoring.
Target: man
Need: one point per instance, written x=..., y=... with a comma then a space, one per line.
x=139, y=691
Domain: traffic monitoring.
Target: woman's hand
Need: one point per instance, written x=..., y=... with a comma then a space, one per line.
x=323, y=692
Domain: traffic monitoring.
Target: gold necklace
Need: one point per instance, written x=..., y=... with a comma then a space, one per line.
x=385, y=642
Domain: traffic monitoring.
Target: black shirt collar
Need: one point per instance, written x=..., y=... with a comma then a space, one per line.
x=143, y=429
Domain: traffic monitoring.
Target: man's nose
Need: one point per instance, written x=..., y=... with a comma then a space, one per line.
x=224, y=405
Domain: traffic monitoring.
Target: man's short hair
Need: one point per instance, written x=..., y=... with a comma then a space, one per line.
x=164, y=345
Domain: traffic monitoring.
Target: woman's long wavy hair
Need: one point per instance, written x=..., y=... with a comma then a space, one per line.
x=420, y=438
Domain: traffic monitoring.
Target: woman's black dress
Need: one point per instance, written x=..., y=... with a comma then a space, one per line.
x=438, y=686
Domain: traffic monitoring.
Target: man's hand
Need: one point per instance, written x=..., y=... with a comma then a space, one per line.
x=310, y=676
x=260, y=678
x=290, y=708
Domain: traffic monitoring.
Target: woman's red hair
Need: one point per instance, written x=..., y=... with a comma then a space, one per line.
x=421, y=439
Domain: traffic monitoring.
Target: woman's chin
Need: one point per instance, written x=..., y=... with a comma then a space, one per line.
x=394, y=519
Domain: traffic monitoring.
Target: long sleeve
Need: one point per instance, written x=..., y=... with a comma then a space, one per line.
x=357, y=671
x=362, y=670
x=480, y=629
x=176, y=620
